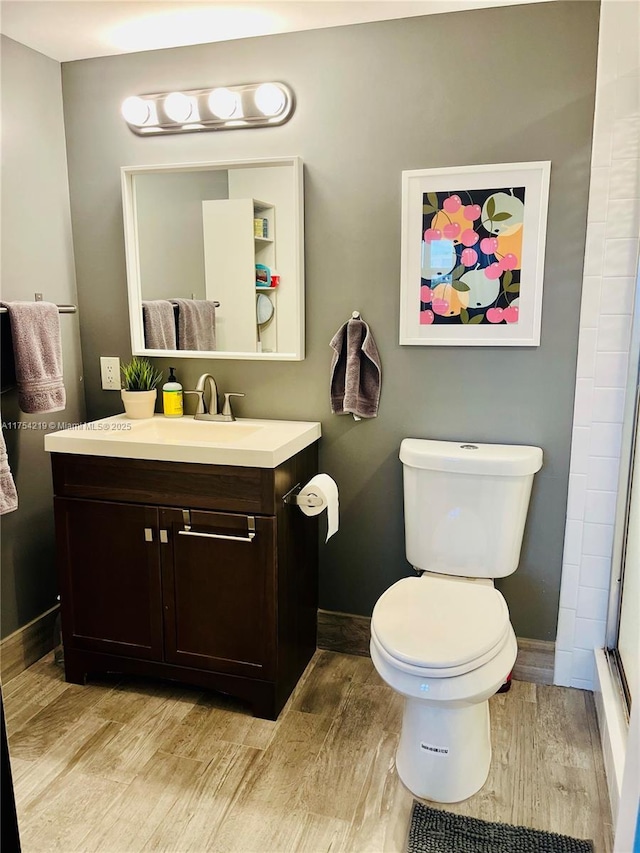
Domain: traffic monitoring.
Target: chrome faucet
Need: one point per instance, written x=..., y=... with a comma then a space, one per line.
x=209, y=411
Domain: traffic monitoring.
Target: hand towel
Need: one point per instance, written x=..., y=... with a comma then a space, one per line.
x=159, y=324
x=356, y=372
x=196, y=324
x=35, y=332
x=8, y=494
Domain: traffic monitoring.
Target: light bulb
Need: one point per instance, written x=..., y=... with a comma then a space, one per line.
x=180, y=107
x=270, y=99
x=224, y=103
x=136, y=110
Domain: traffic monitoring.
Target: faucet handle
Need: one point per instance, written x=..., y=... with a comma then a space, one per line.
x=200, y=408
x=226, y=408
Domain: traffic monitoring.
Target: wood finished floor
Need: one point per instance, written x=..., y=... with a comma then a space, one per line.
x=129, y=766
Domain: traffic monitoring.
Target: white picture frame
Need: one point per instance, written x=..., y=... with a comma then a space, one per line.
x=473, y=246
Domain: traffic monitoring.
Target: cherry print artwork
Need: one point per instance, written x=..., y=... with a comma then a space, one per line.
x=471, y=256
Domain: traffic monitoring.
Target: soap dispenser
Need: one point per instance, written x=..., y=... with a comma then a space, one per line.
x=172, y=396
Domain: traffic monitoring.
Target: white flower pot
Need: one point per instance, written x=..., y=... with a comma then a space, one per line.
x=139, y=404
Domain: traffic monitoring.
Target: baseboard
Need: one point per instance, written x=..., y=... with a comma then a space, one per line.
x=343, y=632
x=349, y=634
x=535, y=661
x=27, y=645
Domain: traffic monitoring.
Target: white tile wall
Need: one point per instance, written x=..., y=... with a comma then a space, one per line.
x=597, y=539
x=617, y=295
x=563, y=663
x=610, y=269
x=602, y=473
x=600, y=506
x=623, y=178
x=610, y=369
x=577, y=497
x=614, y=332
x=594, y=572
x=605, y=439
x=608, y=405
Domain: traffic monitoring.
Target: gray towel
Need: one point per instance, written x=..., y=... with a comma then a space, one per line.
x=196, y=324
x=35, y=332
x=356, y=373
x=159, y=320
x=8, y=494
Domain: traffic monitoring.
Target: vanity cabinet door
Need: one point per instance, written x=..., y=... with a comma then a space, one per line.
x=110, y=583
x=219, y=592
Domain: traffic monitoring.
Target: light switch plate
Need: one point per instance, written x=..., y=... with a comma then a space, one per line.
x=110, y=373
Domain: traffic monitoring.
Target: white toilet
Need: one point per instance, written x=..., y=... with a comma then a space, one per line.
x=444, y=640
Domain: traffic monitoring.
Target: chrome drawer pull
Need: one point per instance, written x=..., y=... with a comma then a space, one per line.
x=248, y=538
x=251, y=526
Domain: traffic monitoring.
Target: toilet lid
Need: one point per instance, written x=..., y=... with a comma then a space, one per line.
x=439, y=622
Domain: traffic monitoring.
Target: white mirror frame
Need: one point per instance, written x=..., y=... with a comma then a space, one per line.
x=134, y=284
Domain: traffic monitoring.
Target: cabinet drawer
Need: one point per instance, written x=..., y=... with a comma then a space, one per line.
x=176, y=484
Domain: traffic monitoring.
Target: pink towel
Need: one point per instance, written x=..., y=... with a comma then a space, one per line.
x=8, y=494
x=35, y=332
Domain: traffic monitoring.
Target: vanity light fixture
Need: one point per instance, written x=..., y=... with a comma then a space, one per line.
x=269, y=99
x=139, y=111
x=180, y=108
x=225, y=104
x=220, y=108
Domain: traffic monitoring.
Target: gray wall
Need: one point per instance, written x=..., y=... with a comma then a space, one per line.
x=486, y=86
x=37, y=255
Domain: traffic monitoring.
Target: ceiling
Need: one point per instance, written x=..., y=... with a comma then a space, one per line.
x=67, y=30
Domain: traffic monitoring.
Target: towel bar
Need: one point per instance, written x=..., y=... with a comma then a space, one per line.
x=63, y=309
x=216, y=304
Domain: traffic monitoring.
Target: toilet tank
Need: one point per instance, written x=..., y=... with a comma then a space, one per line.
x=465, y=505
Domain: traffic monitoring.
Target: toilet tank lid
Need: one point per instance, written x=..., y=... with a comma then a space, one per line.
x=468, y=457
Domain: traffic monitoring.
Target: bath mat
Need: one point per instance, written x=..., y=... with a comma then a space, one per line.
x=435, y=831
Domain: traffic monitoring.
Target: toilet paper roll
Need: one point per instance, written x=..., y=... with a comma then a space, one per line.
x=324, y=488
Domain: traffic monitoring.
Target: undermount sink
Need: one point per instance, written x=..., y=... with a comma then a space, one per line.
x=244, y=442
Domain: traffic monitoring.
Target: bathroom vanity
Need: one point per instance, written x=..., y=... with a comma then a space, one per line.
x=198, y=571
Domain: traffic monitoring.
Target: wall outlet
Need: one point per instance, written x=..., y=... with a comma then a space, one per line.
x=110, y=373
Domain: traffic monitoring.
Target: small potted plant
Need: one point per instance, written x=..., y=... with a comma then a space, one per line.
x=139, y=387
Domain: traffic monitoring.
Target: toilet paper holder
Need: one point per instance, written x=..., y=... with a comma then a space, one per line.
x=293, y=496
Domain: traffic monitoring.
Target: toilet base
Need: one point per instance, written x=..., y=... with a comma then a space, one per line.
x=444, y=754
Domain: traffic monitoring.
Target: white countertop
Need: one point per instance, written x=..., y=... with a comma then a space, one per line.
x=245, y=442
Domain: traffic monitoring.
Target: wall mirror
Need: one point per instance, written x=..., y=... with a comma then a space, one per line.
x=207, y=246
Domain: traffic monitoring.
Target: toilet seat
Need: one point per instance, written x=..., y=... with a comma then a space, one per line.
x=440, y=627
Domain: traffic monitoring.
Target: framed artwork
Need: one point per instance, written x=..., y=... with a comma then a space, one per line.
x=473, y=240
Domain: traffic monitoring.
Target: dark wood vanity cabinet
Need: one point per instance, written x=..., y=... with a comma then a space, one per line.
x=196, y=573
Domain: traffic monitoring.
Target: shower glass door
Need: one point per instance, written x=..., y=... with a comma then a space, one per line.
x=628, y=639
x=623, y=628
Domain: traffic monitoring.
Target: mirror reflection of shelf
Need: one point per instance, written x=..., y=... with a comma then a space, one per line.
x=265, y=213
x=231, y=252
x=266, y=332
